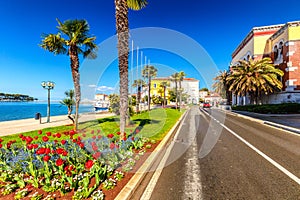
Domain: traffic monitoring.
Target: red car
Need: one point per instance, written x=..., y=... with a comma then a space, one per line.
x=206, y=105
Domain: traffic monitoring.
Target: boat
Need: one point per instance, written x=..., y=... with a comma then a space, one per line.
x=101, y=105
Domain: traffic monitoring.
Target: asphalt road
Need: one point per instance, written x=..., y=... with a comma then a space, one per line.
x=209, y=161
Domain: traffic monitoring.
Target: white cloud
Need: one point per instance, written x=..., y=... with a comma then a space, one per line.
x=92, y=86
x=104, y=88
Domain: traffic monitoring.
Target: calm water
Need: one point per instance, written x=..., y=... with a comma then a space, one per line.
x=24, y=110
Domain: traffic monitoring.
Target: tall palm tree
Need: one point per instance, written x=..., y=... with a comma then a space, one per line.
x=175, y=79
x=69, y=102
x=221, y=84
x=149, y=72
x=254, y=78
x=164, y=85
x=122, y=27
x=77, y=41
x=181, y=76
x=139, y=83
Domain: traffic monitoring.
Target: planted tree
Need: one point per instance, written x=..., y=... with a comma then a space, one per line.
x=181, y=76
x=139, y=83
x=164, y=85
x=77, y=42
x=149, y=72
x=122, y=27
x=221, y=85
x=69, y=102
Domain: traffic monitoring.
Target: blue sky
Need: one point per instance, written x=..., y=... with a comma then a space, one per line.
x=217, y=25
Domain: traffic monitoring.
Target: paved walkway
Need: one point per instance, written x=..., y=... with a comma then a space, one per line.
x=25, y=125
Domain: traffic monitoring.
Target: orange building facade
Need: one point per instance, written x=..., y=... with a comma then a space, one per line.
x=282, y=44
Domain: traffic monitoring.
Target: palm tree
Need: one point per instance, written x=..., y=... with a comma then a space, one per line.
x=69, y=102
x=77, y=41
x=175, y=79
x=164, y=85
x=149, y=72
x=139, y=83
x=254, y=78
x=221, y=85
x=122, y=27
x=181, y=76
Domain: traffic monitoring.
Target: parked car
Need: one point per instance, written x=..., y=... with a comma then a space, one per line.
x=206, y=105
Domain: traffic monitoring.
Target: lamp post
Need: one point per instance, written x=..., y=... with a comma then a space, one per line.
x=49, y=85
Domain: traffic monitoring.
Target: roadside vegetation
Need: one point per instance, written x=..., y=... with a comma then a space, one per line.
x=58, y=161
x=284, y=108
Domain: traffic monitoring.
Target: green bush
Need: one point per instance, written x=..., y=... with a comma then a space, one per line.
x=284, y=108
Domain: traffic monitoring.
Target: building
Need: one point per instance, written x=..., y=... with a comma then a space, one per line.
x=282, y=44
x=202, y=95
x=190, y=87
x=214, y=99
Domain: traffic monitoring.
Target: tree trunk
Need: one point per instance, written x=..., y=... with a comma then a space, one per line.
x=164, y=105
x=180, y=95
x=138, y=100
x=149, y=88
x=76, y=79
x=123, y=51
x=176, y=95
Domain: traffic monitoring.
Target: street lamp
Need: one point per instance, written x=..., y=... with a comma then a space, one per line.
x=49, y=85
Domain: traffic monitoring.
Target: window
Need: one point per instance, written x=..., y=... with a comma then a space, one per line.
x=154, y=85
x=275, y=52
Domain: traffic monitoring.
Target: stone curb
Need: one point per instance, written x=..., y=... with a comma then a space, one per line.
x=134, y=182
x=284, y=127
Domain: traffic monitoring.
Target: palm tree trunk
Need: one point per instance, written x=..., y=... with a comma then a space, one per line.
x=123, y=51
x=149, y=88
x=138, y=99
x=180, y=95
x=176, y=95
x=164, y=105
x=76, y=80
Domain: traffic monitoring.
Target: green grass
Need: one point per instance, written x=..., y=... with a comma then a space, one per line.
x=154, y=125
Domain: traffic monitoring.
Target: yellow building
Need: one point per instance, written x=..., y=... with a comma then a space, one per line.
x=282, y=44
x=159, y=91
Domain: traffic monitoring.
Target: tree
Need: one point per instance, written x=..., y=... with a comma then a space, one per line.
x=254, y=78
x=77, y=41
x=122, y=28
x=149, y=72
x=164, y=85
x=181, y=76
x=175, y=79
x=114, y=103
x=139, y=83
x=221, y=85
x=69, y=102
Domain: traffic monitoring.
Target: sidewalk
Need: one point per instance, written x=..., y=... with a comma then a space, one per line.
x=25, y=125
x=290, y=122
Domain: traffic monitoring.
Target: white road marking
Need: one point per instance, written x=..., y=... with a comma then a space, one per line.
x=277, y=165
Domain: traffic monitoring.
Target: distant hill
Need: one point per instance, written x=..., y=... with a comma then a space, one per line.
x=16, y=97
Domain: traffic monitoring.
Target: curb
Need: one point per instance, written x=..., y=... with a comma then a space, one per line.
x=134, y=182
x=284, y=127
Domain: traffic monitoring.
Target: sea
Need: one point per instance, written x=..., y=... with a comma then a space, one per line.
x=25, y=110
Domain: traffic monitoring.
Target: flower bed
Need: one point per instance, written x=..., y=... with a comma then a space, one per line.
x=49, y=167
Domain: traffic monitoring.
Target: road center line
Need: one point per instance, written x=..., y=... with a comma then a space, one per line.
x=277, y=165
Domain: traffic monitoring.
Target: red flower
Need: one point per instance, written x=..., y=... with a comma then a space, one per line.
x=118, y=133
x=48, y=134
x=132, y=138
x=8, y=145
x=99, y=136
x=36, y=137
x=112, y=145
x=40, y=132
x=58, y=135
x=20, y=136
x=35, y=146
x=137, y=130
x=0, y=146
x=23, y=138
x=65, y=153
x=81, y=145
x=60, y=150
x=55, y=141
x=94, y=137
x=98, y=131
x=96, y=155
x=59, y=162
x=95, y=148
x=72, y=132
x=89, y=164
x=46, y=158
x=124, y=138
x=47, y=150
x=28, y=139
x=92, y=132
x=78, y=138
x=30, y=146
x=53, y=151
x=83, y=135
x=40, y=151
x=63, y=142
x=45, y=138
x=110, y=135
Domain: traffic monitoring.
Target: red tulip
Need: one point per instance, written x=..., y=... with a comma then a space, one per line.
x=36, y=137
x=59, y=162
x=58, y=135
x=81, y=145
x=89, y=164
x=29, y=146
x=46, y=158
x=47, y=150
x=95, y=148
x=94, y=137
x=0, y=146
x=92, y=132
x=45, y=138
x=63, y=142
x=65, y=153
x=99, y=136
x=83, y=135
x=112, y=145
x=40, y=132
x=60, y=150
x=35, y=146
x=96, y=155
x=118, y=133
x=48, y=134
x=110, y=135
